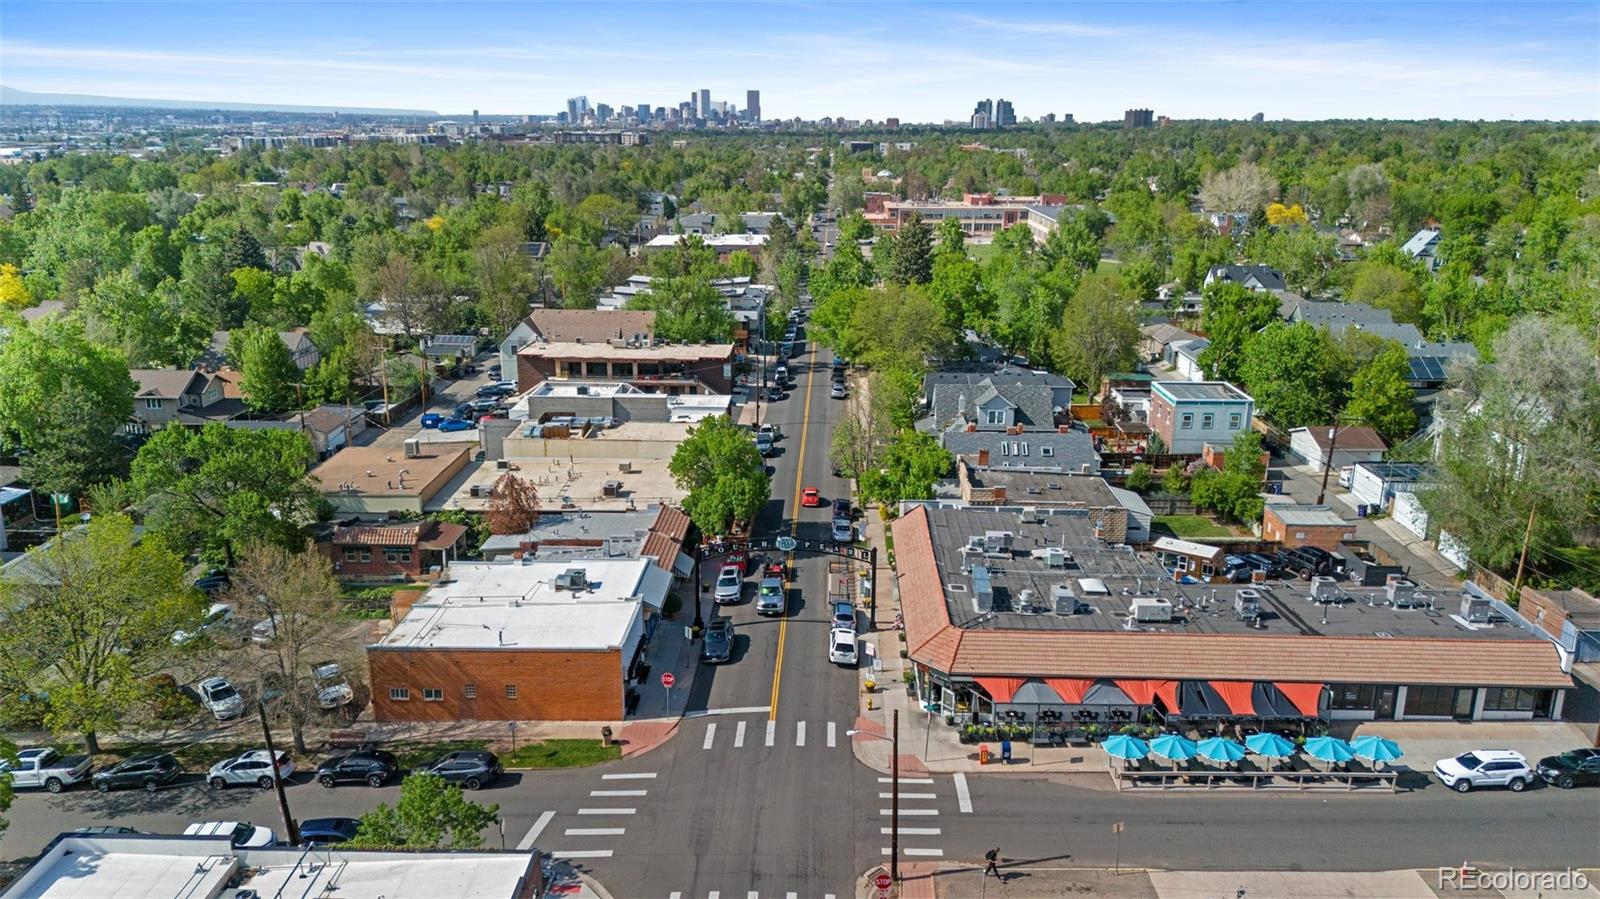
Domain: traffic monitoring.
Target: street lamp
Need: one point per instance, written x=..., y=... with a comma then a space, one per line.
x=894, y=795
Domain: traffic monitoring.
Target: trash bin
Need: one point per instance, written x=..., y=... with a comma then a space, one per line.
x=605, y=736
x=1005, y=751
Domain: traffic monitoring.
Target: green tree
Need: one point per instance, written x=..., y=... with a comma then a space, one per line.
x=269, y=374
x=956, y=289
x=431, y=813
x=503, y=276
x=1385, y=286
x=1381, y=398
x=219, y=488
x=911, y=463
x=1139, y=477
x=8, y=753
x=1099, y=332
x=952, y=239
x=578, y=270
x=65, y=400
x=912, y=260
x=1235, y=491
x=687, y=308
x=1232, y=314
x=1072, y=244
x=89, y=619
x=723, y=475
x=241, y=249
x=1293, y=373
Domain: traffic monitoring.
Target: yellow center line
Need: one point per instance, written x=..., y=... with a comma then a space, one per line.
x=794, y=524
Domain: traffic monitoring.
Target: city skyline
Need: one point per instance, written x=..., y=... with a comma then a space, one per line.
x=1299, y=61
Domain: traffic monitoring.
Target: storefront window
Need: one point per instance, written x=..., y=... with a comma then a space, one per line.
x=1353, y=697
x=1509, y=699
x=1439, y=702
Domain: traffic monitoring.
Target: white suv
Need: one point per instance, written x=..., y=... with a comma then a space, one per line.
x=251, y=768
x=1485, y=768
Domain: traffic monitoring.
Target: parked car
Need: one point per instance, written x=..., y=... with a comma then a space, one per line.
x=781, y=374
x=1263, y=563
x=770, y=598
x=773, y=432
x=46, y=768
x=332, y=689
x=774, y=393
x=220, y=698
x=717, y=645
x=264, y=631
x=730, y=584
x=495, y=390
x=253, y=767
x=481, y=406
x=842, y=531
x=328, y=831
x=373, y=767
x=842, y=646
x=242, y=834
x=219, y=615
x=214, y=581
x=1485, y=768
x=147, y=771
x=1579, y=767
x=841, y=510
x=810, y=497
x=469, y=768
x=431, y=419
x=836, y=391
x=457, y=424
x=1236, y=569
x=844, y=614
x=1306, y=561
x=764, y=444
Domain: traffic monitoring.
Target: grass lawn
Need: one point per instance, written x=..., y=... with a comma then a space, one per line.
x=561, y=754
x=1107, y=266
x=980, y=252
x=1188, y=526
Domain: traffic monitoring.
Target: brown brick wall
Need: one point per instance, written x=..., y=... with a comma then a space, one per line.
x=551, y=686
x=1161, y=419
x=378, y=569
x=1325, y=537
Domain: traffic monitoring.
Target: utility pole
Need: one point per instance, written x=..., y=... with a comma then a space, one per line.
x=291, y=832
x=699, y=622
x=1522, y=560
x=1327, y=465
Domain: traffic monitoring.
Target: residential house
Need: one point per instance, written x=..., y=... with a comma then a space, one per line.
x=390, y=551
x=1070, y=451
x=1253, y=277
x=1186, y=358
x=1159, y=338
x=574, y=325
x=1424, y=247
x=1187, y=415
x=725, y=245
x=1354, y=443
x=301, y=349
x=1305, y=525
x=331, y=426
x=446, y=351
x=161, y=394
x=1014, y=397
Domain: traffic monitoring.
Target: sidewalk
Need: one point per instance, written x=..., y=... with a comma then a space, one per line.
x=562, y=879
x=931, y=745
x=957, y=880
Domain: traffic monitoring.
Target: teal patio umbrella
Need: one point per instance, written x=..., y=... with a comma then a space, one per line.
x=1221, y=749
x=1376, y=748
x=1329, y=749
x=1269, y=745
x=1175, y=747
x=1125, y=747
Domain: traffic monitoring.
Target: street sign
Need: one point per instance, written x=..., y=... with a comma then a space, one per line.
x=667, y=680
x=1118, y=827
x=785, y=544
x=883, y=882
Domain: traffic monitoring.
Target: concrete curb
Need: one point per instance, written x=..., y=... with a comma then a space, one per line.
x=594, y=885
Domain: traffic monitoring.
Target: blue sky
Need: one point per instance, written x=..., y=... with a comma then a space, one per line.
x=916, y=61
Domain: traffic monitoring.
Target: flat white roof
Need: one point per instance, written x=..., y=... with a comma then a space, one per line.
x=491, y=605
x=92, y=867
x=390, y=875
x=1188, y=548
x=662, y=241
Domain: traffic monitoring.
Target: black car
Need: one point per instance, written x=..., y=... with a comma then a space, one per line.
x=718, y=644
x=148, y=771
x=1306, y=561
x=469, y=768
x=327, y=831
x=841, y=510
x=1571, y=769
x=1265, y=564
x=374, y=766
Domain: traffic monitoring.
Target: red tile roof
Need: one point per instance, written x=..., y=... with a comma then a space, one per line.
x=934, y=641
x=666, y=537
x=426, y=534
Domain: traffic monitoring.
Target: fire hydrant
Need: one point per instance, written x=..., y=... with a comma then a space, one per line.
x=983, y=753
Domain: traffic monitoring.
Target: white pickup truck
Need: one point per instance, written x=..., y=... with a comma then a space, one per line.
x=47, y=768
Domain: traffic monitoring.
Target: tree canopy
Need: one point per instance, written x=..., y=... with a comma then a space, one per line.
x=723, y=475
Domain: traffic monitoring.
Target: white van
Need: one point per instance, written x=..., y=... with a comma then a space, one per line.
x=842, y=646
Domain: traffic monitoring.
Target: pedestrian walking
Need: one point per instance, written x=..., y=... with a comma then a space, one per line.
x=993, y=855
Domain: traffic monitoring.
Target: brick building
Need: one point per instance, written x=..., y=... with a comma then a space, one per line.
x=519, y=641
x=651, y=366
x=388, y=552
x=1306, y=525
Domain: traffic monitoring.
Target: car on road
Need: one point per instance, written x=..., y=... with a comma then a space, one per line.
x=373, y=767
x=496, y=390
x=842, y=646
x=730, y=584
x=842, y=531
x=242, y=834
x=717, y=645
x=764, y=444
x=836, y=391
x=328, y=831
x=46, y=768
x=841, y=509
x=770, y=596
x=457, y=424
x=219, y=615
x=773, y=432
x=810, y=497
x=253, y=767
x=331, y=687
x=147, y=771
x=471, y=768
x=844, y=613
x=1485, y=768
x=1579, y=767
x=220, y=698
x=774, y=393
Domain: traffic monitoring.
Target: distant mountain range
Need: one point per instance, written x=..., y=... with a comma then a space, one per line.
x=10, y=96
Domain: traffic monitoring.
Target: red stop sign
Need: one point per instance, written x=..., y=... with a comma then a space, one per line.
x=882, y=881
x=667, y=680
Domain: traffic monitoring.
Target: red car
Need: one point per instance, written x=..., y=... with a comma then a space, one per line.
x=810, y=497
x=739, y=561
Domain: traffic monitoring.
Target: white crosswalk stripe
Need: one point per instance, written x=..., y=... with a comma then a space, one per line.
x=805, y=736
x=912, y=831
x=916, y=853
x=909, y=796
x=619, y=792
x=595, y=831
x=963, y=795
x=800, y=733
x=607, y=811
x=906, y=780
x=711, y=735
x=649, y=776
x=910, y=812
x=772, y=732
x=830, y=734
x=581, y=853
x=534, y=831
x=738, y=736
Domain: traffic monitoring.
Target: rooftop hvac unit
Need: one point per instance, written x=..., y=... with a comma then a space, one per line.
x=1324, y=589
x=982, y=588
x=1475, y=609
x=1151, y=609
x=1399, y=591
x=974, y=545
x=1246, y=604
x=502, y=463
x=476, y=490
x=1065, y=602
x=572, y=579
x=1055, y=557
x=413, y=447
x=997, y=541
